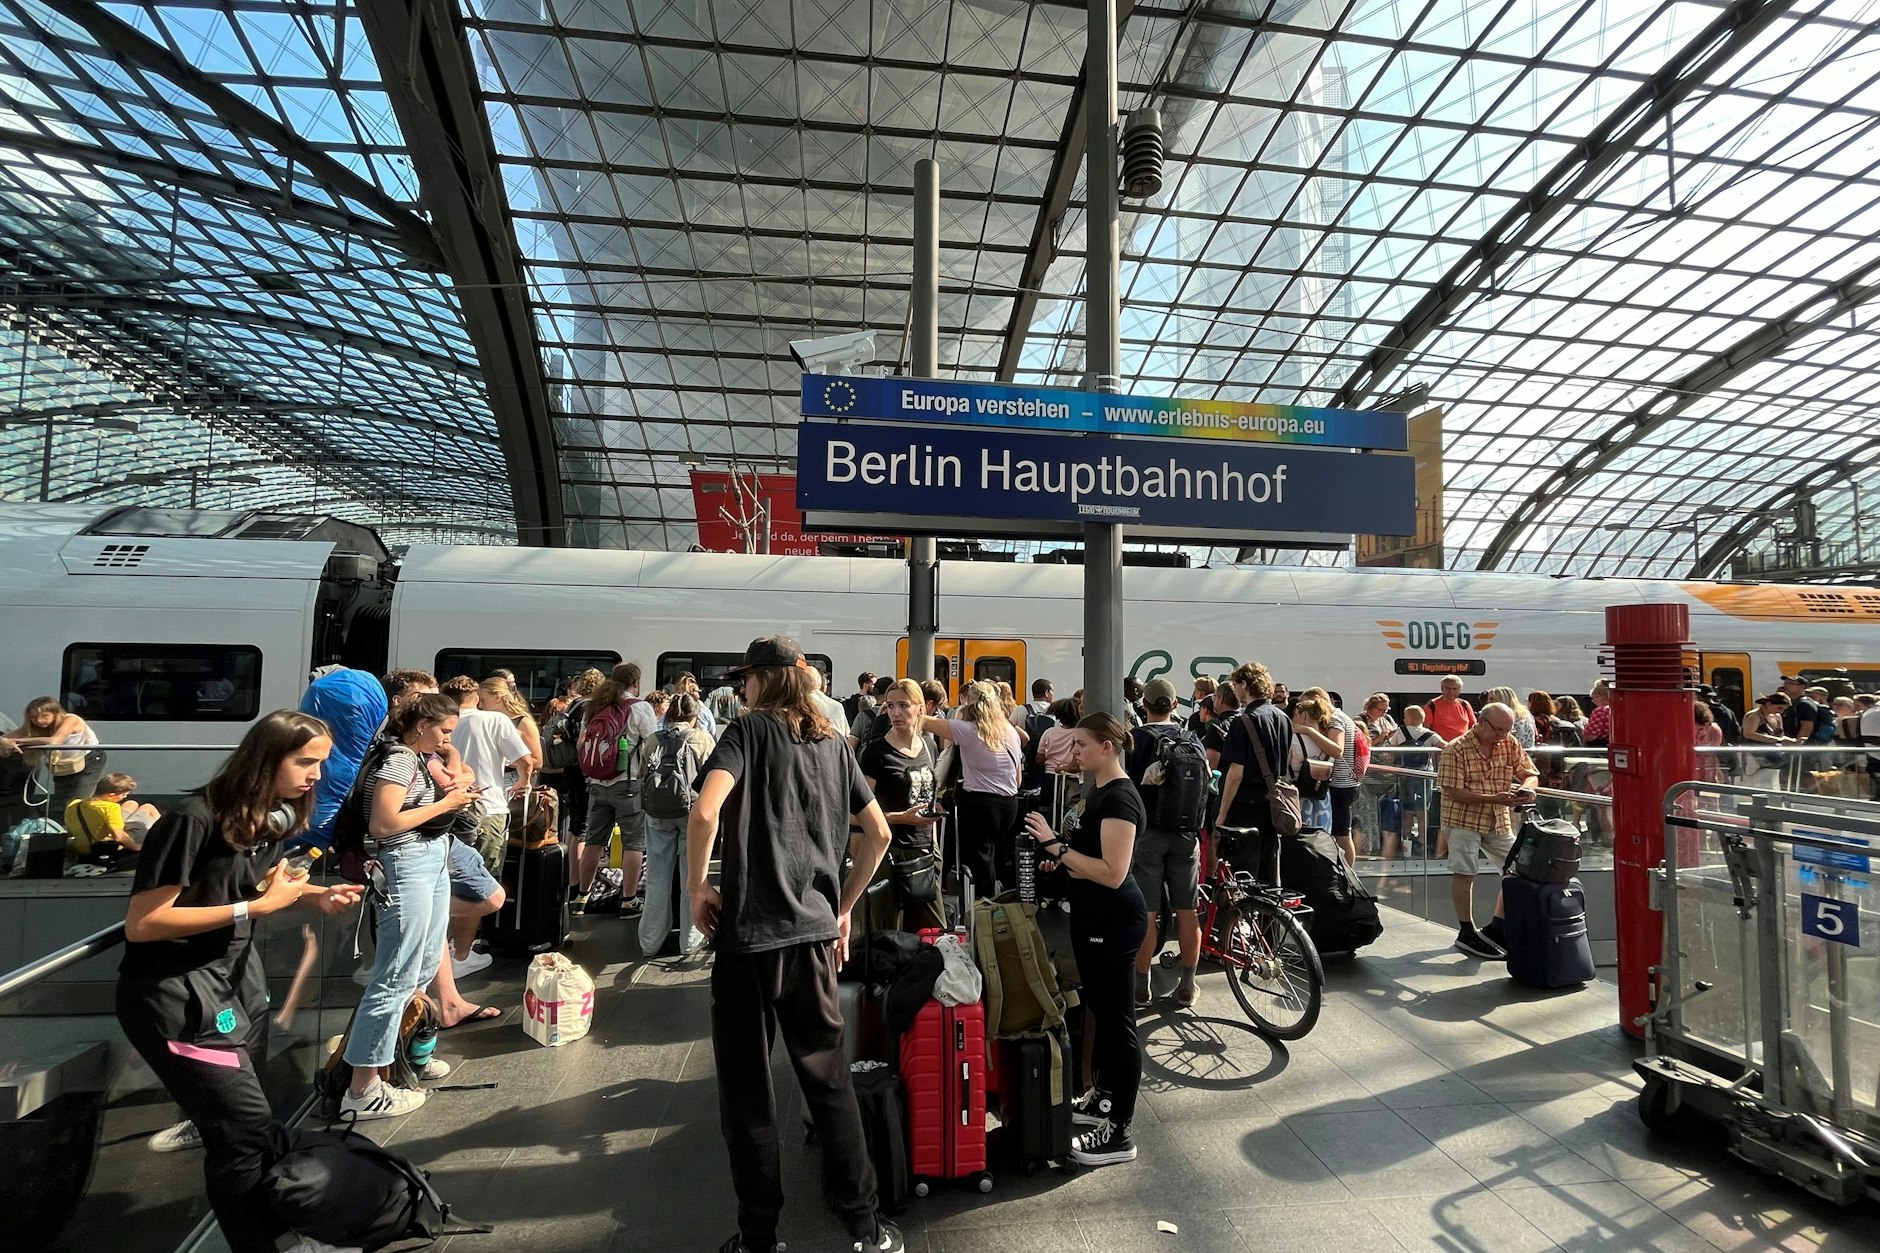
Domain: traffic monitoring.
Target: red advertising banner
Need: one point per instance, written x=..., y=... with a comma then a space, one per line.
x=733, y=510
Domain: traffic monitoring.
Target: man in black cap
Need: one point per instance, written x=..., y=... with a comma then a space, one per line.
x=783, y=787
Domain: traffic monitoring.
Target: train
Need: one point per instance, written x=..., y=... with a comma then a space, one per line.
x=179, y=628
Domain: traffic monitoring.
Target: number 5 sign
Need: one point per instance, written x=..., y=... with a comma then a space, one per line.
x=1828, y=919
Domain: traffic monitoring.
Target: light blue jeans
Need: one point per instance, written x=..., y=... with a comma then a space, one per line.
x=1316, y=812
x=665, y=849
x=412, y=926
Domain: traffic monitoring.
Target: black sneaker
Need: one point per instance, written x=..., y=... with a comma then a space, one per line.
x=1092, y=1109
x=887, y=1239
x=1493, y=934
x=1105, y=1145
x=1475, y=944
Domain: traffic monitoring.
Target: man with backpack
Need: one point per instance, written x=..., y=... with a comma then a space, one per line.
x=617, y=721
x=1170, y=769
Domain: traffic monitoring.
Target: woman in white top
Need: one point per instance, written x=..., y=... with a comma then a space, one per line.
x=45, y=726
x=1341, y=745
x=992, y=759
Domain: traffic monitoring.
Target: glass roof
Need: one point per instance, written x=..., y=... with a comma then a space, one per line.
x=1631, y=255
x=220, y=255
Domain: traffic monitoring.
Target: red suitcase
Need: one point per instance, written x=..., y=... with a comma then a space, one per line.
x=943, y=1065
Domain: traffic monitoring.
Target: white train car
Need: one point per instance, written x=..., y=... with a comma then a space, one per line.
x=179, y=628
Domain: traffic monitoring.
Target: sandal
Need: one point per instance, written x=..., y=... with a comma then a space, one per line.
x=482, y=1013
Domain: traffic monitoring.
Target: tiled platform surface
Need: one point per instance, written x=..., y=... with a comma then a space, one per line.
x=1436, y=1106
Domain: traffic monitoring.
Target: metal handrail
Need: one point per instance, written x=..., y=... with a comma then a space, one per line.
x=63, y=959
x=1585, y=798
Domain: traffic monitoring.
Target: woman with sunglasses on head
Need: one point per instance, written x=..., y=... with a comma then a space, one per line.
x=1109, y=919
x=191, y=995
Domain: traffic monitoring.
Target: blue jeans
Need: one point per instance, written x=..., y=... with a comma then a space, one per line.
x=412, y=925
x=665, y=849
x=1316, y=812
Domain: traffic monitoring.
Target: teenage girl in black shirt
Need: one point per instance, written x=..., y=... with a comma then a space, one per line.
x=191, y=996
x=1108, y=921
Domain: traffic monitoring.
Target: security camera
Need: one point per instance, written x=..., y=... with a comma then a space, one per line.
x=830, y=354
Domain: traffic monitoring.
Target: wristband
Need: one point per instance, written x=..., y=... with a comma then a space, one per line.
x=241, y=911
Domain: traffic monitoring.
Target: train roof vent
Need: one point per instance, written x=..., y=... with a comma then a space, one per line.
x=120, y=556
x=1834, y=604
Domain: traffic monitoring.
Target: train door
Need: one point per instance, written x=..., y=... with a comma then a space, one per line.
x=1728, y=673
x=961, y=661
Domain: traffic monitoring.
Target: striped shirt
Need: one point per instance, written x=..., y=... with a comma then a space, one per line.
x=1465, y=767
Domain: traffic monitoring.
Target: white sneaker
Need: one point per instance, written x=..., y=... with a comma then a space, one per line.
x=175, y=1139
x=433, y=1070
x=470, y=965
x=294, y=1242
x=381, y=1100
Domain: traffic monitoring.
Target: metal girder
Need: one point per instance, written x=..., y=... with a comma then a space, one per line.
x=424, y=56
x=1728, y=35
x=1674, y=398
x=272, y=201
x=1841, y=469
x=125, y=42
x=1042, y=250
x=206, y=471
x=233, y=410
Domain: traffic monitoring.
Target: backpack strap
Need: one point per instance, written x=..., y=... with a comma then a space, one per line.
x=1020, y=921
x=986, y=952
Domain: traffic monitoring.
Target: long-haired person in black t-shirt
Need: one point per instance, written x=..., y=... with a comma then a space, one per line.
x=191, y=996
x=1108, y=922
x=781, y=789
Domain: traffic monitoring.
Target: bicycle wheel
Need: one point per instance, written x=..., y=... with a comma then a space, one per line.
x=1274, y=970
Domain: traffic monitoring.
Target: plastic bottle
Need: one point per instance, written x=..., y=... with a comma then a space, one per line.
x=423, y=1044
x=1027, y=858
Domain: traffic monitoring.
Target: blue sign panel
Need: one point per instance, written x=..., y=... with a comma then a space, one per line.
x=1856, y=859
x=934, y=402
x=1148, y=485
x=1832, y=920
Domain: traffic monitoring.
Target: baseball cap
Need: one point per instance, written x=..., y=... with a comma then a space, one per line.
x=768, y=650
x=1158, y=692
x=1789, y=678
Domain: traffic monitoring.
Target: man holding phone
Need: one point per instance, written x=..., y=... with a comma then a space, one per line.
x=1484, y=776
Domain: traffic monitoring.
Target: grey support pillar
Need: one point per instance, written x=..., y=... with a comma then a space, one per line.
x=923, y=564
x=1103, y=541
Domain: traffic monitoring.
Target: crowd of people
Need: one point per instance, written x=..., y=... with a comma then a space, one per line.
x=802, y=800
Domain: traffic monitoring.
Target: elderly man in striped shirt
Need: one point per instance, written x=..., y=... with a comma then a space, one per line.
x=1484, y=776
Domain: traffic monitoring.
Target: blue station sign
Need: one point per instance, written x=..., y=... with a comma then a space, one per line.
x=936, y=402
x=1044, y=483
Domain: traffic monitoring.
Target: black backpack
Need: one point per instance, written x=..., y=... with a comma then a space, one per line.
x=561, y=737
x=1344, y=912
x=1036, y=724
x=667, y=790
x=1181, y=798
x=340, y=1188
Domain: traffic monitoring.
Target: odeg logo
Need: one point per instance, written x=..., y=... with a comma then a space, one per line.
x=1436, y=636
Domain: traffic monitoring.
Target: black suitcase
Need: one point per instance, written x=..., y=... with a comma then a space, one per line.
x=1036, y=1117
x=1544, y=928
x=534, y=916
x=1546, y=850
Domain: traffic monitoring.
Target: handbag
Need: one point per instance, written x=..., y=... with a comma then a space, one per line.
x=532, y=818
x=916, y=878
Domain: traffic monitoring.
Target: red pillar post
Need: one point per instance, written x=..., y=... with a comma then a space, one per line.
x=1653, y=747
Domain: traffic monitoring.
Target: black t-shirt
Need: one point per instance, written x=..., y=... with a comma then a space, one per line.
x=1802, y=709
x=185, y=849
x=783, y=833
x=1214, y=733
x=1092, y=904
x=1274, y=729
x=901, y=782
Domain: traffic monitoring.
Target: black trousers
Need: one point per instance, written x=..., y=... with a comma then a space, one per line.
x=1105, y=947
x=988, y=828
x=231, y=1111
x=754, y=995
x=571, y=786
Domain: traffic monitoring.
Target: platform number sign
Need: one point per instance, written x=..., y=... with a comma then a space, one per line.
x=1828, y=919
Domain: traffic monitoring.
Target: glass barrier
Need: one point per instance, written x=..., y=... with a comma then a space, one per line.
x=136, y=1198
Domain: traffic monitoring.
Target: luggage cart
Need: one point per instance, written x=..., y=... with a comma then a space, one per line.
x=1766, y=1016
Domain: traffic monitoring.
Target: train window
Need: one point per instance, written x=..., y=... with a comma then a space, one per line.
x=540, y=673
x=1731, y=687
x=996, y=670
x=707, y=667
x=162, y=682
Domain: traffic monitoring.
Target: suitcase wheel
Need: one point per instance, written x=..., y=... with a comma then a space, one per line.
x=921, y=1187
x=984, y=1183
x=1168, y=961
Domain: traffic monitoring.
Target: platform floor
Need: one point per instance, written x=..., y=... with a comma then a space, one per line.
x=1437, y=1106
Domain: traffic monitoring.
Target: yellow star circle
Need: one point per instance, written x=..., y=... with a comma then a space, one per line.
x=840, y=397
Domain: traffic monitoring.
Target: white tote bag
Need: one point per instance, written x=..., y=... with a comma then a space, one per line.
x=557, y=1001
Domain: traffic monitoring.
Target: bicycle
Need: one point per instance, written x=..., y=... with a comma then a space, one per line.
x=1256, y=933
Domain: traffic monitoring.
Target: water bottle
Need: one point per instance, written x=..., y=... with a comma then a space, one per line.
x=1027, y=858
x=423, y=1044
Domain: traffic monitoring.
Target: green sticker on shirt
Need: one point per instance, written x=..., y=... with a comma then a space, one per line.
x=225, y=1022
